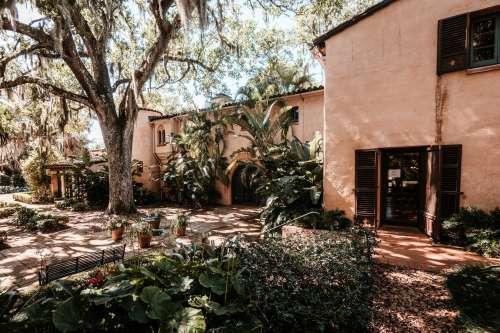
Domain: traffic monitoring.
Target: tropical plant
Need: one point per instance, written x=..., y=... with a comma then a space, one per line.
x=264, y=124
x=198, y=161
x=276, y=78
x=289, y=175
x=180, y=224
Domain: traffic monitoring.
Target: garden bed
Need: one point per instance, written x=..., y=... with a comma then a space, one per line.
x=277, y=285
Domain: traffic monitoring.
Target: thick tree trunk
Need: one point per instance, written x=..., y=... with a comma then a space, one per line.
x=118, y=138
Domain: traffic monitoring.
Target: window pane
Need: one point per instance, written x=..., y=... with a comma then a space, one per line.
x=483, y=40
x=484, y=54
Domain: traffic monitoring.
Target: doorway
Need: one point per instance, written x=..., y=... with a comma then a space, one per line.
x=403, y=186
x=243, y=187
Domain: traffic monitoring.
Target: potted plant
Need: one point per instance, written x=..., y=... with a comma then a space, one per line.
x=154, y=219
x=117, y=227
x=144, y=234
x=180, y=224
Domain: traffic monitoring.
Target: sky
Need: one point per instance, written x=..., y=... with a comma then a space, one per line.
x=94, y=136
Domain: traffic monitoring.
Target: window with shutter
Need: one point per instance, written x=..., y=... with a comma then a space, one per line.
x=453, y=44
x=366, y=184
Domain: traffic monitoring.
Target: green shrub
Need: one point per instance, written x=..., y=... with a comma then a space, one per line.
x=80, y=207
x=476, y=291
x=308, y=285
x=32, y=220
x=321, y=284
x=474, y=229
x=63, y=204
x=26, y=217
x=46, y=225
x=35, y=173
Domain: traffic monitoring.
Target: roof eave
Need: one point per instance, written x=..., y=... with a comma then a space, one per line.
x=349, y=23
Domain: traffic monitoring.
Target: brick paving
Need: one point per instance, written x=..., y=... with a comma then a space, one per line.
x=408, y=247
x=20, y=263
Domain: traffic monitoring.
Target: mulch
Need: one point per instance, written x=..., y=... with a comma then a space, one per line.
x=408, y=300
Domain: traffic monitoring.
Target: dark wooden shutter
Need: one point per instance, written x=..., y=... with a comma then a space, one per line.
x=453, y=48
x=366, y=185
x=450, y=174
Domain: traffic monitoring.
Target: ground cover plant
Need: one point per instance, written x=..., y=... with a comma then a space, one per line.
x=33, y=220
x=476, y=291
x=474, y=229
x=12, y=189
x=203, y=289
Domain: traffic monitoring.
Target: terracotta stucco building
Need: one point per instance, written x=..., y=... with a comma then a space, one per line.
x=412, y=111
x=153, y=131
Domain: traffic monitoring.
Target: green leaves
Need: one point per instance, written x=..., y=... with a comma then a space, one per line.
x=160, y=303
x=189, y=320
x=215, y=283
x=67, y=316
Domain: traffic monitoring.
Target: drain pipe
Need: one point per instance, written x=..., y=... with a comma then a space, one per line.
x=291, y=221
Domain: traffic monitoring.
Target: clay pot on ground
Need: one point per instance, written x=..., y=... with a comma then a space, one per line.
x=117, y=234
x=180, y=231
x=145, y=241
x=154, y=224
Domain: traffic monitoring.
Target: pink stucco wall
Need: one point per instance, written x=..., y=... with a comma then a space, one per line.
x=380, y=91
x=142, y=150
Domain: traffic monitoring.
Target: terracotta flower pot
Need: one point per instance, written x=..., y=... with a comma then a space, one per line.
x=117, y=234
x=180, y=231
x=144, y=241
x=155, y=224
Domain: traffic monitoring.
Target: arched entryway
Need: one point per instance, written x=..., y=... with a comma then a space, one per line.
x=242, y=188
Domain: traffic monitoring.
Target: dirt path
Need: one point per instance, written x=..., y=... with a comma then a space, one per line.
x=408, y=300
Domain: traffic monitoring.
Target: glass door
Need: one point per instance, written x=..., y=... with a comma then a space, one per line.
x=401, y=187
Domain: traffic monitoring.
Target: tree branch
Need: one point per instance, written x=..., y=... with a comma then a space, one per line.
x=22, y=80
x=119, y=83
x=34, y=33
x=191, y=61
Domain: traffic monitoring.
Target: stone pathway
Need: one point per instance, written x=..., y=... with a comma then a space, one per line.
x=408, y=247
x=20, y=263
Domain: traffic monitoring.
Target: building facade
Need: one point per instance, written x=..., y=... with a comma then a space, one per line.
x=412, y=119
x=153, y=132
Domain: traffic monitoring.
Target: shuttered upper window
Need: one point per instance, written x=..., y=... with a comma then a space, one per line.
x=468, y=41
x=484, y=41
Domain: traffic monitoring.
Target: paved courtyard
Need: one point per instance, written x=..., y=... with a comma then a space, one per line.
x=86, y=233
x=408, y=247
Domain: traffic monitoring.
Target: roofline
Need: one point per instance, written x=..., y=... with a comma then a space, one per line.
x=309, y=91
x=349, y=23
